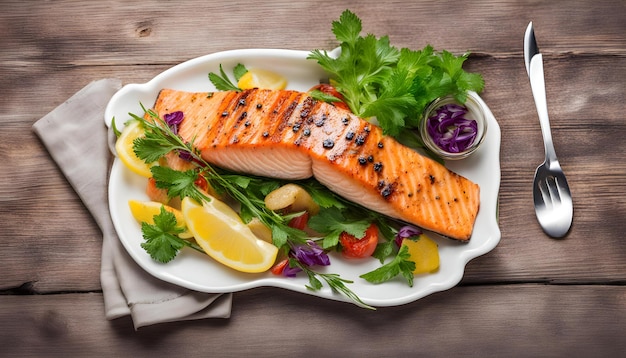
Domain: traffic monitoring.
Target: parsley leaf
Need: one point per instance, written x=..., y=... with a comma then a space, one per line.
x=222, y=82
x=161, y=240
x=331, y=222
x=383, y=250
x=239, y=71
x=178, y=183
x=156, y=143
x=150, y=148
x=400, y=265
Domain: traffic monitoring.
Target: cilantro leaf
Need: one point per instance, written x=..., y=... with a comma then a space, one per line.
x=161, y=242
x=400, y=265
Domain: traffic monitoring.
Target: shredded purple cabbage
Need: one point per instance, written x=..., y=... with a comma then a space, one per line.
x=174, y=119
x=289, y=271
x=406, y=232
x=450, y=130
x=311, y=254
x=185, y=155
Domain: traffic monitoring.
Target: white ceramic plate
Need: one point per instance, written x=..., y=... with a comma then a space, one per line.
x=198, y=272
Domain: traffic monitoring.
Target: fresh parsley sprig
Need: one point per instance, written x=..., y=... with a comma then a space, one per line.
x=379, y=80
x=178, y=183
x=331, y=222
x=400, y=265
x=161, y=238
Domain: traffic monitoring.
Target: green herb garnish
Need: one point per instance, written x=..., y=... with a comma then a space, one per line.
x=334, y=281
x=223, y=83
x=160, y=140
x=332, y=222
x=161, y=240
x=324, y=97
x=379, y=80
x=400, y=265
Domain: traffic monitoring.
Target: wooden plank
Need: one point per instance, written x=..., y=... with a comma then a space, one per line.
x=168, y=33
x=536, y=320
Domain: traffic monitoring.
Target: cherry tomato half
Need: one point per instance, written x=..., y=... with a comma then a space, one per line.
x=300, y=222
x=202, y=183
x=359, y=248
x=279, y=267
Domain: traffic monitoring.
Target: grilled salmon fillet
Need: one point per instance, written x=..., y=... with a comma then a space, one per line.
x=289, y=135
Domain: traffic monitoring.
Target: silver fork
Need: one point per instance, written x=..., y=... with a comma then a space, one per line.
x=551, y=193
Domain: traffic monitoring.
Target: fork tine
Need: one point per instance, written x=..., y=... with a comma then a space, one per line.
x=545, y=194
x=551, y=183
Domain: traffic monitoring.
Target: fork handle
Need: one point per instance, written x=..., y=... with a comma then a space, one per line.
x=538, y=87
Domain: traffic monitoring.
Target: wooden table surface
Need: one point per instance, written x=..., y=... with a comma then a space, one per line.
x=531, y=296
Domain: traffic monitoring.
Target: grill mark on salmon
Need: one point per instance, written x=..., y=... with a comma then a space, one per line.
x=289, y=135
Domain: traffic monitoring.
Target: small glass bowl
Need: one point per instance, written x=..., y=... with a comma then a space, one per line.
x=474, y=111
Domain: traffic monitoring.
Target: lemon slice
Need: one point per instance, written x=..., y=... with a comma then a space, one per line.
x=259, y=78
x=144, y=211
x=124, y=149
x=223, y=236
x=424, y=252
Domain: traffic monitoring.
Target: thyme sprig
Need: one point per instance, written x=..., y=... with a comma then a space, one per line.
x=334, y=281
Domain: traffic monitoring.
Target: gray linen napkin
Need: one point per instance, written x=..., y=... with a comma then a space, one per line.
x=76, y=137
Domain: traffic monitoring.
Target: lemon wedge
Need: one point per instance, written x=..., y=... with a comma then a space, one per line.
x=124, y=149
x=144, y=211
x=424, y=252
x=218, y=229
x=259, y=78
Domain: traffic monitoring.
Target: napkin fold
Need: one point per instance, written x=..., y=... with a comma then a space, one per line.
x=75, y=135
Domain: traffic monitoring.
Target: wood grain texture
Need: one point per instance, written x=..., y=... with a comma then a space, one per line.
x=554, y=321
x=531, y=296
